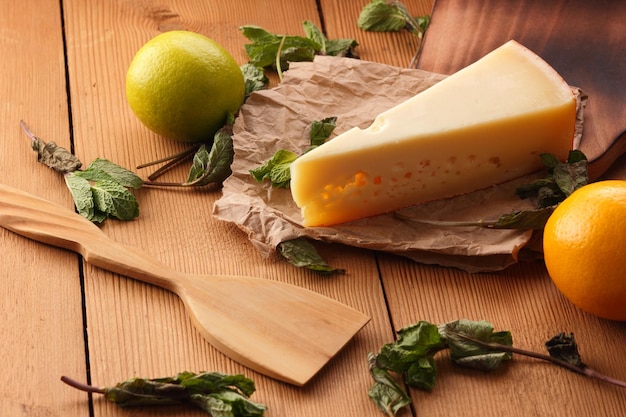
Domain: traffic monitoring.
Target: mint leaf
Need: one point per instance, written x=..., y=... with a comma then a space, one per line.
x=379, y=16
x=332, y=47
x=114, y=199
x=343, y=47
x=101, y=168
x=265, y=47
x=391, y=16
x=213, y=166
x=571, y=176
x=413, y=354
x=80, y=189
x=467, y=353
x=562, y=180
x=316, y=35
x=386, y=393
x=276, y=169
x=254, y=78
x=301, y=253
x=100, y=191
x=321, y=130
x=200, y=164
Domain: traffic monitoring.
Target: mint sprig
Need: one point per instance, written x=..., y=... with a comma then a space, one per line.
x=266, y=49
x=393, y=16
x=100, y=191
x=218, y=394
x=473, y=344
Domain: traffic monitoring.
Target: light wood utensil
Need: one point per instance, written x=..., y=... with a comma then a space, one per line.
x=280, y=330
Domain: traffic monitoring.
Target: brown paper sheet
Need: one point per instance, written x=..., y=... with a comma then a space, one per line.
x=356, y=91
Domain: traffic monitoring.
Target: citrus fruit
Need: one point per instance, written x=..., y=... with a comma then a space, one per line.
x=584, y=247
x=182, y=85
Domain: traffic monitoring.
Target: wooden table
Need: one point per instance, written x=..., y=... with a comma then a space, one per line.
x=63, y=68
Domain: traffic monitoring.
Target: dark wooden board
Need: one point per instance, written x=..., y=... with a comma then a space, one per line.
x=584, y=40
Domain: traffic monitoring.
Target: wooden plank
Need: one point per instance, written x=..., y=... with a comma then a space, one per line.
x=40, y=295
x=137, y=330
x=522, y=298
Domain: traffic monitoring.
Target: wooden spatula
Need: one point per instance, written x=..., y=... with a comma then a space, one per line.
x=281, y=330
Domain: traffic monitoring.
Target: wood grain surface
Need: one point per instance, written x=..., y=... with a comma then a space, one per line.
x=64, y=64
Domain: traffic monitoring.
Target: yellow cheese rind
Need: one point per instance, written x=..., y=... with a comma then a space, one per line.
x=483, y=125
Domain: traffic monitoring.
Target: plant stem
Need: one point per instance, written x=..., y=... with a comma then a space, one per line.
x=28, y=132
x=80, y=386
x=279, y=70
x=177, y=156
x=582, y=370
x=414, y=28
x=447, y=223
x=172, y=161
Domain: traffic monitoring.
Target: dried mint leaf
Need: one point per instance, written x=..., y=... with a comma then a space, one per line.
x=55, y=157
x=52, y=155
x=471, y=343
x=564, y=347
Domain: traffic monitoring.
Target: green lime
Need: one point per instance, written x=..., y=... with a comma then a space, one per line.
x=182, y=85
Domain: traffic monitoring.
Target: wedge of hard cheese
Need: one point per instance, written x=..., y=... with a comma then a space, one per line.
x=483, y=125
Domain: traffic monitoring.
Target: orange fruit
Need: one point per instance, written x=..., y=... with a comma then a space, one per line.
x=584, y=247
x=182, y=85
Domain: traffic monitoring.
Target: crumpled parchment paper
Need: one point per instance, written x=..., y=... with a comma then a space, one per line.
x=356, y=91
